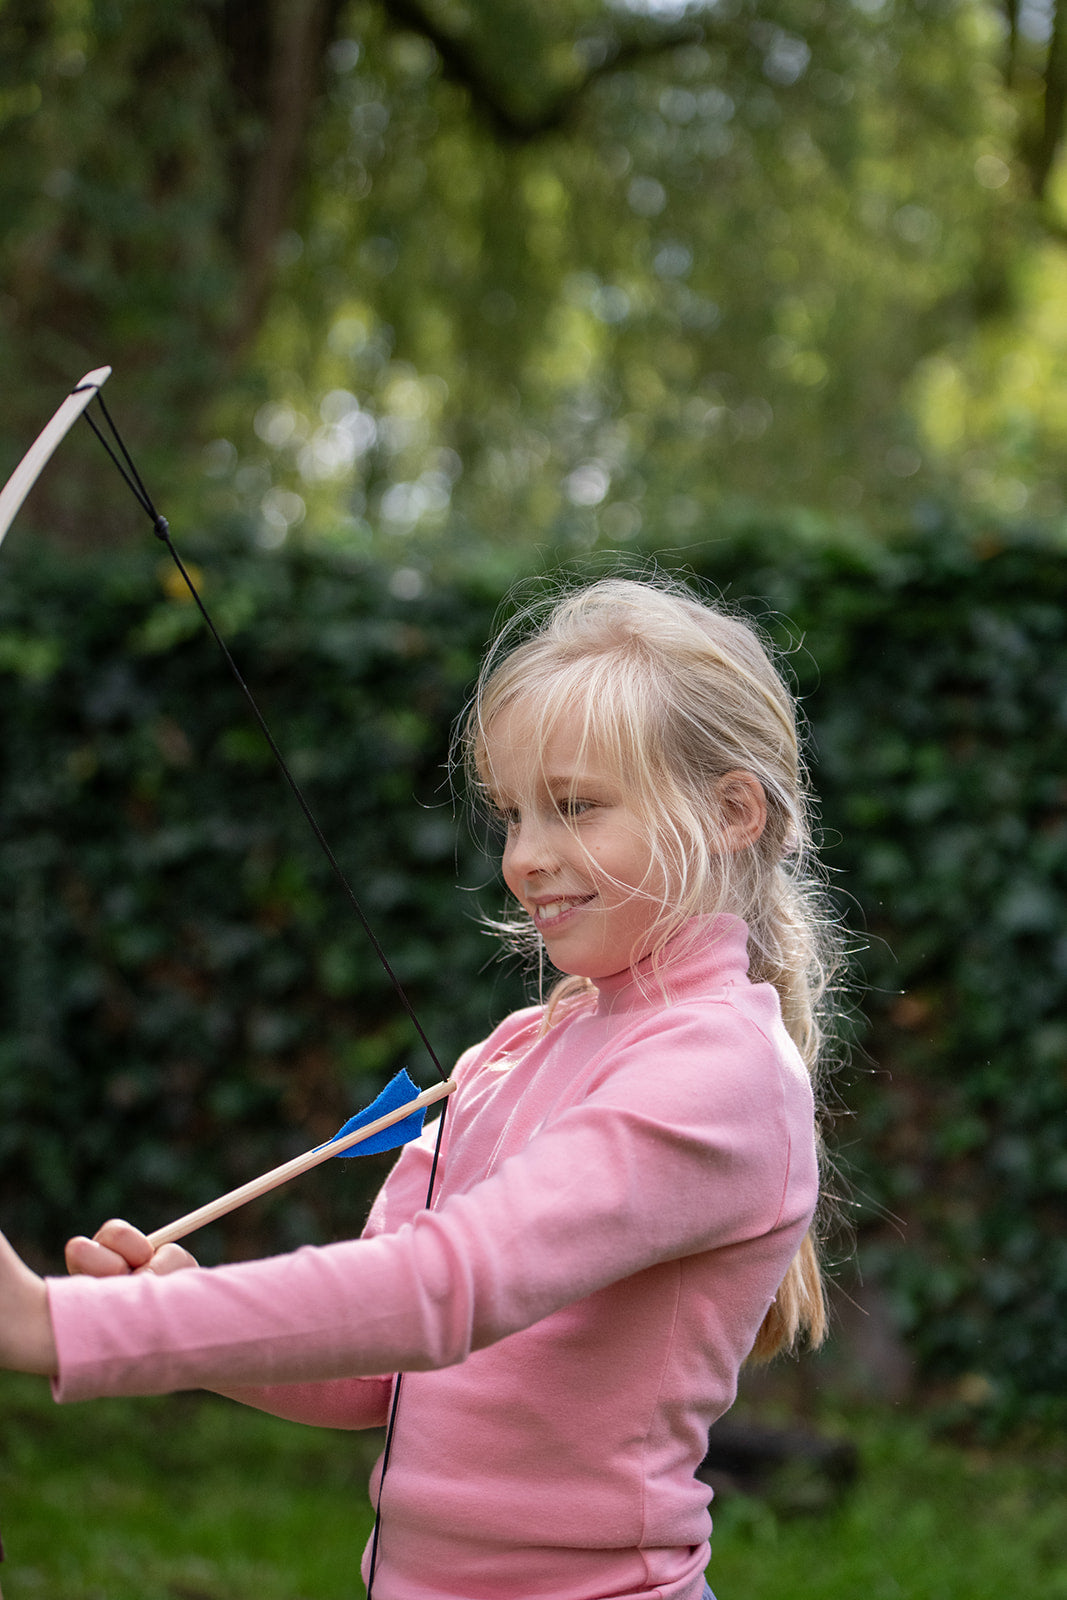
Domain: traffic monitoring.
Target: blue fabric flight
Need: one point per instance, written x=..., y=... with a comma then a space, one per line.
x=397, y=1092
x=393, y=1100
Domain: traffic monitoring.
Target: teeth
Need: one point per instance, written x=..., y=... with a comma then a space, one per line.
x=554, y=909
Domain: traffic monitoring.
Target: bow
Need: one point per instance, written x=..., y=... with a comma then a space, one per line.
x=366, y=1128
x=51, y=435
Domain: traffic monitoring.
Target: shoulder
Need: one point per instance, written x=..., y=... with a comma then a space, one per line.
x=511, y=1037
x=731, y=1045
x=738, y=1014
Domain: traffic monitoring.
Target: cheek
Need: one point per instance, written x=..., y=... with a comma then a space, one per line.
x=627, y=876
x=637, y=860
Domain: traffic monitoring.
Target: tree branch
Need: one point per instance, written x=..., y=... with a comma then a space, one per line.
x=275, y=55
x=274, y=51
x=1047, y=144
x=1011, y=14
x=460, y=64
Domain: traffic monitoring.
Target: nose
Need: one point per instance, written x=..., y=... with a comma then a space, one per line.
x=528, y=850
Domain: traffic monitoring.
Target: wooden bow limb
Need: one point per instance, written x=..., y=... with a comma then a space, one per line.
x=33, y=462
x=292, y=1169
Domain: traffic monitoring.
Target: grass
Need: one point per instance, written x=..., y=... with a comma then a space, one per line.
x=190, y=1498
x=927, y=1520
x=183, y=1498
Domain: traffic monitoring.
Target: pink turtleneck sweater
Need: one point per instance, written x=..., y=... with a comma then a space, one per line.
x=618, y=1202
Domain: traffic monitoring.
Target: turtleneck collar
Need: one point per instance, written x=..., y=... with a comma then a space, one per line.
x=705, y=954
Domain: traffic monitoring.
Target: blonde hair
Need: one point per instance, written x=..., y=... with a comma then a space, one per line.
x=675, y=694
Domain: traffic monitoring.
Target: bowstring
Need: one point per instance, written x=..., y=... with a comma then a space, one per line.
x=123, y=461
x=161, y=528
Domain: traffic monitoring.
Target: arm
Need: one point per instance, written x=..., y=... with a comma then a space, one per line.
x=363, y=1402
x=27, y=1343
x=648, y=1167
x=119, y=1249
x=26, y=1340
x=349, y=1403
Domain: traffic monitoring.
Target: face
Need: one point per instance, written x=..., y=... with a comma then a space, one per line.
x=576, y=857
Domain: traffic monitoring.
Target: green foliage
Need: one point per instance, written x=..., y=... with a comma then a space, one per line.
x=935, y=679
x=114, y=239
x=589, y=301
x=567, y=270
x=189, y=999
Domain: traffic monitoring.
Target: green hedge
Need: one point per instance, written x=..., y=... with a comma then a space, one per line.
x=935, y=678
x=187, y=998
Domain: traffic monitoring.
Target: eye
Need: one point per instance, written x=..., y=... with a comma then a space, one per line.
x=572, y=806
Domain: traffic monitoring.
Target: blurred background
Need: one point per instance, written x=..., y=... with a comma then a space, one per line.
x=409, y=303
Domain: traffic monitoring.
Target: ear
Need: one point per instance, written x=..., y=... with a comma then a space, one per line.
x=742, y=807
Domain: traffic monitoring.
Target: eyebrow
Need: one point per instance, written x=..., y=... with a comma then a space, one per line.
x=570, y=783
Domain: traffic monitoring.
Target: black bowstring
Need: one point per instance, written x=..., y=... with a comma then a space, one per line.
x=128, y=471
x=162, y=532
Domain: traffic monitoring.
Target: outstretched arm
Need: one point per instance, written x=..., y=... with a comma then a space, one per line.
x=26, y=1342
x=118, y=1248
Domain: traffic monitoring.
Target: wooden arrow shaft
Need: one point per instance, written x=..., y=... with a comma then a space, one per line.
x=292, y=1169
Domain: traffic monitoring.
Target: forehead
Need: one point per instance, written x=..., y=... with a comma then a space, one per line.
x=524, y=751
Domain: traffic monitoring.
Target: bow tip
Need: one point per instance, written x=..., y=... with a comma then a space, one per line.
x=92, y=380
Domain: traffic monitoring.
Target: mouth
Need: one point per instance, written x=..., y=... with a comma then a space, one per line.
x=550, y=913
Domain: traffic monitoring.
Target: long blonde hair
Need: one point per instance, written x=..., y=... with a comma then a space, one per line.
x=676, y=694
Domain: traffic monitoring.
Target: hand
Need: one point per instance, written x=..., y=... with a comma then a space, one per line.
x=26, y=1342
x=119, y=1248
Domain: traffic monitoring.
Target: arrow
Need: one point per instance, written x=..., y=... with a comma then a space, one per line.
x=399, y=1120
x=33, y=462
x=13, y=494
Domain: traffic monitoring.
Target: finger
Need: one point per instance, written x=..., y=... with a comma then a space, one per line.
x=126, y=1241
x=171, y=1258
x=88, y=1259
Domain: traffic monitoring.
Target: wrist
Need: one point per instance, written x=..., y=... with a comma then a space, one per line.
x=41, y=1355
x=27, y=1342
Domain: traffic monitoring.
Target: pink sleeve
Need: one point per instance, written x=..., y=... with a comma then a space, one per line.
x=649, y=1167
x=353, y=1402
x=339, y=1403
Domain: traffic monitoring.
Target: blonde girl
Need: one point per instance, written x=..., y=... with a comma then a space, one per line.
x=629, y=1171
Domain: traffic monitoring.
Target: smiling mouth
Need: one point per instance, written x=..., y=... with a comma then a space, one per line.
x=553, y=910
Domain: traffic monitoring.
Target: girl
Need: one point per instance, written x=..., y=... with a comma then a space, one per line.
x=629, y=1171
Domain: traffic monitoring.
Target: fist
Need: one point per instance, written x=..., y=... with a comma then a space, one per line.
x=119, y=1248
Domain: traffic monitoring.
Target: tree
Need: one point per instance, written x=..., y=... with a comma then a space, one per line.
x=568, y=268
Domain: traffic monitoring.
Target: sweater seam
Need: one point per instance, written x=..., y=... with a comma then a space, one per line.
x=668, y=1347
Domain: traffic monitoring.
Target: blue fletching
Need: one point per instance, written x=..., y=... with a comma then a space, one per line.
x=397, y=1092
